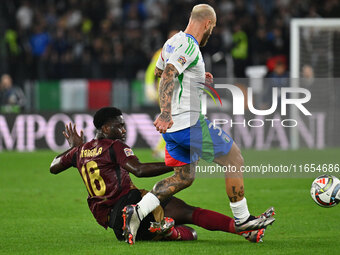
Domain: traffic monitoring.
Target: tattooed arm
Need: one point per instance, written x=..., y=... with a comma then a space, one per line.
x=166, y=88
x=158, y=72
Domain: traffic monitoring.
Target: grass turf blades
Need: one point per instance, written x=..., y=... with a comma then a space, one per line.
x=46, y=214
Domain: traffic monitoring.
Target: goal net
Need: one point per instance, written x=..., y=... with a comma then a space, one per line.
x=315, y=65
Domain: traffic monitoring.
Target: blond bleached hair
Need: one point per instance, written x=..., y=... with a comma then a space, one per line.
x=202, y=11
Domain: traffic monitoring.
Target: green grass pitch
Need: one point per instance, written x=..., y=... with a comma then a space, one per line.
x=41, y=213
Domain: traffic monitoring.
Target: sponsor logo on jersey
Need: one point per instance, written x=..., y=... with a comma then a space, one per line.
x=181, y=60
x=128, y=152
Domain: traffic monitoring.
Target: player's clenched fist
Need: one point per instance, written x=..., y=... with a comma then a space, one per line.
x=209, y=78
x=163, y=122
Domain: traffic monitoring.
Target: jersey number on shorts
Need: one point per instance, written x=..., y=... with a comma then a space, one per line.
x=97, y=183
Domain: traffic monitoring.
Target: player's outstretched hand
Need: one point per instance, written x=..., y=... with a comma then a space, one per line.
x=163, y=122
x=72, y=136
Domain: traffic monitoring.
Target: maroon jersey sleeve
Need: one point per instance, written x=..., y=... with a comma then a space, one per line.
x=70, y=158
x=122, y=152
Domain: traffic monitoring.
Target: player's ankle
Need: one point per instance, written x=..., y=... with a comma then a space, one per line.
x=240, y=211
x=148, y=203
x=251, y=217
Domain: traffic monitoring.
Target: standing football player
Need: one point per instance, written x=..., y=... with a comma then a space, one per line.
x=181, y=68
x=104, y=165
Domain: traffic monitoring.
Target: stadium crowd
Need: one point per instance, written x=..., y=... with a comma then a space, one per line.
x=55, y=39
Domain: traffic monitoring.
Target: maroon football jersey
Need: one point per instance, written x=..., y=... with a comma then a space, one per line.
x=99, y=164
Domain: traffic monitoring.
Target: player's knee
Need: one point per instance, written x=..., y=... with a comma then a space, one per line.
x=189, y=181
x=185, y=175
x=186, y=181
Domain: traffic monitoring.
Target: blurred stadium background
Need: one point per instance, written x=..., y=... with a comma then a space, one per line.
x=73, y=57
x=61, y=60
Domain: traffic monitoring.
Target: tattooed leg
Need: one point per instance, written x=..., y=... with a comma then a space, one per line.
x=182, y=178
x=234, y=179
x=235, y=192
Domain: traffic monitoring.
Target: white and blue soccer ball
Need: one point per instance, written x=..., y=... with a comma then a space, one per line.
x=325, y=190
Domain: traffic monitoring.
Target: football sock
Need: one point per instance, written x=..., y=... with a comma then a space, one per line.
x=148, y=203
x=173, y=234
x=180, y=233
x=211, y=220
x=240, y=211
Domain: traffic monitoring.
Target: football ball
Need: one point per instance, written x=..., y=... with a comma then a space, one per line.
x=325, y=190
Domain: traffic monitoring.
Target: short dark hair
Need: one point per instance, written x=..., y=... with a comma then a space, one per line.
x=105, y=114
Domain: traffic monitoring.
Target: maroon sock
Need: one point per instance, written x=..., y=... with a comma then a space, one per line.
x=181, y=233
x=213, y=220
